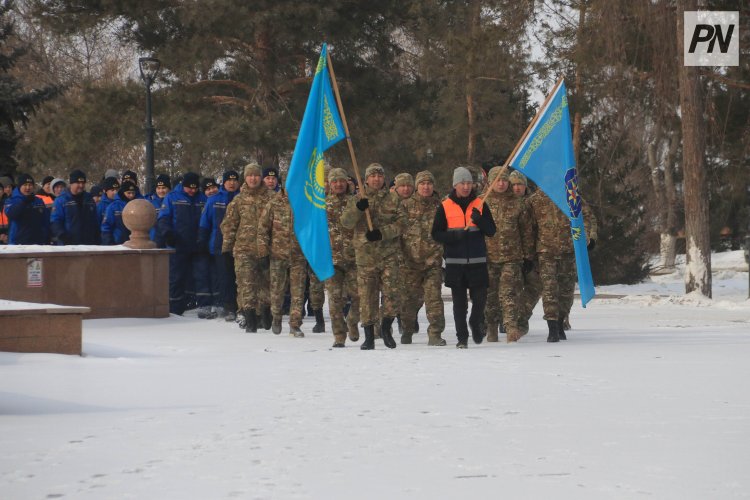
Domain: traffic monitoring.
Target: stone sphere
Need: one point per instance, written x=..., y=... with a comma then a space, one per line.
x=139, y=215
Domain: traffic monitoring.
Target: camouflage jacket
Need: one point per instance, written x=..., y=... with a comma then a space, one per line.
x=553, y=226
x=241, y=223
x=342, y=245
x=418, y=247
x=387, y=216
x=276, y=236
x=514, y=239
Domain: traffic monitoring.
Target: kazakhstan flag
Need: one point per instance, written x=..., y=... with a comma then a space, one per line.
x=546, y=157
x=305, y=183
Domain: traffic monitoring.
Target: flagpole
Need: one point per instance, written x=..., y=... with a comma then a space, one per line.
x=348, y=138
x=523, y=137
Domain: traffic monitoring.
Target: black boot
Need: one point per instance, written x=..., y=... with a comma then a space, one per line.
x=561, y=329
x=251, y=321
x=554, y=335
x=320, y=324
x=385, y=333
x=266, y=319
x=369, y=342
x=477, y=332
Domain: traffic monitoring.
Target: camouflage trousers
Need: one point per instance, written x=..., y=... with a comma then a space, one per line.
x=558, y=275
x=532, y=292
x=419, y=283
x=341, y=285
x=252, y=284
x=317, y=291
x=293, y=274
x=504, y=295
x=372, y=280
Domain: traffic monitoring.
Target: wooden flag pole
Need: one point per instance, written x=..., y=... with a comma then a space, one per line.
x=523, y=137
x=348, y=138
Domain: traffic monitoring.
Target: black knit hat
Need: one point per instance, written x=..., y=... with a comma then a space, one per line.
x=110, y=183
x=96, y=190
x=207, y=183
x=127, y=186
x=25, y=179
x=47, y=179
x=77, y=176
x=131, y=176
x=191, y=180
x=230, y=175
x=163, y=180
x=270, y=172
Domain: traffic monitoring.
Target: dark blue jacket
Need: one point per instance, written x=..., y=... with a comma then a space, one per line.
x=157, y=203
x=28, y=218
x=74, y=220
x=179, y=218
x=101, y=207
x=114, y=231
x=213, y=214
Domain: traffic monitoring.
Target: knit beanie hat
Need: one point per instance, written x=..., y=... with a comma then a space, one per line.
x=494, y=172
x=163, y=180
x=517, y=177
x=252, y=169
x=207, y=183
x=374, y=168
x=110, y=183
x=191, y=180
x=111, y=173
x=55, y=182
x=131, y=176
x=96, y=190
x=404, y=179
x=77, y=176
x=230, y=175
x=424, y=175
x=461, y=174
x=47, y=179
x=127, y=186
x=336, y=174
x=270, y=172
x=25, y=179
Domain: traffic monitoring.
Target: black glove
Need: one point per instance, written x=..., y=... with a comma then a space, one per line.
x=169, y=239
x=363, y=204
x=591, y=245
x=228, y=262
x=476, y=216
x=527, y=266
x=264, y=263
x=374, y=235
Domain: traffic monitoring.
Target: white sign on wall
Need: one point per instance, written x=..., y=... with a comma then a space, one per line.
x=34, y=274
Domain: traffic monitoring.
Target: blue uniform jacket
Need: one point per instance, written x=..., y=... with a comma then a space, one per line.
x=179, y=219
x=101, y=207
x=114, y=231
x=213, y=214
x=156, y=202
x=74, y=220
x=28, y=218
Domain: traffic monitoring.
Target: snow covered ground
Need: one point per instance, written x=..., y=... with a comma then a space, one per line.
x=648, y=398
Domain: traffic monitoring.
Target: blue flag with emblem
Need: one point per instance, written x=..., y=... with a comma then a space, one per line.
x=305, y=183
x=546, y=157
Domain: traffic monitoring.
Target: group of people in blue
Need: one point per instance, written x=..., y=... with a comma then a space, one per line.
x=188, y=220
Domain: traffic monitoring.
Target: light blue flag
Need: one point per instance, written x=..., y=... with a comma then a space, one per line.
x=546, y=157
x=305, y=183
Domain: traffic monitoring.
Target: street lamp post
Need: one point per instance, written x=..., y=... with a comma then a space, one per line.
x=149, y=67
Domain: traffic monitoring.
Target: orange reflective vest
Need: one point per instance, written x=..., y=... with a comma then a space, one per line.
x=457, y=218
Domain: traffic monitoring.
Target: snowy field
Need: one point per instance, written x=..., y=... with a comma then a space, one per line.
x=650, y=398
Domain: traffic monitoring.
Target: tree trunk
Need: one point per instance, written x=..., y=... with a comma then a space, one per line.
x=669, y=236
x=698, y=249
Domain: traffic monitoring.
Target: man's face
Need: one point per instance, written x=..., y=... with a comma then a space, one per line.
x=211, y=190
x=26, y=189
x=77, y=188
x=405, y=191
x=190, y=191
x=59, y=187
x=500, y=185
x=162, y=191
x=231, y=185
x=519, y=189
x=111, y=193
x=8, y=189
x=338, y=186
x=252, y=180
x=271, y=182
x=46, y=188
x=425, y=189
x=130, y=195
x=463, y=189
x=375, y=181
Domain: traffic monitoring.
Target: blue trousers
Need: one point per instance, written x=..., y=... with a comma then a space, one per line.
x=181, y=267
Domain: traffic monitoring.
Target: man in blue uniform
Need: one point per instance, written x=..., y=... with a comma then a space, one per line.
x=113, y=228
x=73, y=219
x=27, y=215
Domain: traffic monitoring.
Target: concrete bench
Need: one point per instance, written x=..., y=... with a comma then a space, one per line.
x=27, y=327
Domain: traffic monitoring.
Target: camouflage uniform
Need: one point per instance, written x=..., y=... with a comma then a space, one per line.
x=240, y=229
x=344, y=281
x=506, y=250
x=421, y=268
x=288, y=264
x=554, y=248
x=377, y=261
x=317, y=291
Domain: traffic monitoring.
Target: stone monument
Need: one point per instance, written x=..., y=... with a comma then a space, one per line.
x=139, y=216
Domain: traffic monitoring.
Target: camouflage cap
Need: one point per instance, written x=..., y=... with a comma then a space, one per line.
x=517, y=177
x=337, y=174
x=404, y=179
x=424, y=175
x=252, y=169
x=495, y=171
x=374, y=168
